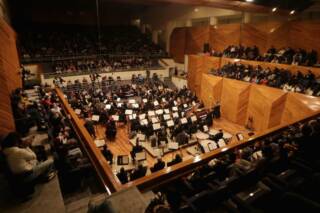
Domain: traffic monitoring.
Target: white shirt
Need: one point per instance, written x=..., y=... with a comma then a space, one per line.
x=20, y=160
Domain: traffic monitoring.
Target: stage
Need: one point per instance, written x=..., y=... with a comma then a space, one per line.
x=123, y=145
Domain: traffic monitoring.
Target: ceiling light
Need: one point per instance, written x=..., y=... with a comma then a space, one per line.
x=249, y=0
x=196, y=10
x=274, y=9
x=292, y=12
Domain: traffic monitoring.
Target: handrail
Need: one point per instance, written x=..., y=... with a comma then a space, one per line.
x=48, y=75
x=51, y=58
x=110, y=183
x=166, y=175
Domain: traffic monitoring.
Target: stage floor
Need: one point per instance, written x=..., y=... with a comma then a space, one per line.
x=122, y=145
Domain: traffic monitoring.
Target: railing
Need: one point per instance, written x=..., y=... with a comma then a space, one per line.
x=163, y=176
x=88, y=72
x=52, y=58
x=109, y=181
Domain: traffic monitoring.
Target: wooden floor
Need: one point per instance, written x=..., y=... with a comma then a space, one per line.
x=122, y=146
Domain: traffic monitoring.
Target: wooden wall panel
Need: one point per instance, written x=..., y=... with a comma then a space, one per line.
x=253, y=36
x=234, y=100
x=9, y=77
x=260, y=106
x=195, y=64
x=178, y=44
x=279, y=36
x=196, y=37
x=211, y=88
x=210, y=63
x=305, y=34
x=6, y=119
x=299, y=106
x=277, y=109
x=224, y=35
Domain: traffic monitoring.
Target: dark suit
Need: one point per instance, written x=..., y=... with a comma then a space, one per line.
x=158, y=166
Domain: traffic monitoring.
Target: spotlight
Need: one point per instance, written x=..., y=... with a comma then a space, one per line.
x=274, y=9
x=249, y=0
x=292, y=12
x=196, y=10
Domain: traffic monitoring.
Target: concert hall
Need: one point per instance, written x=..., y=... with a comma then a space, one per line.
x=159, y=106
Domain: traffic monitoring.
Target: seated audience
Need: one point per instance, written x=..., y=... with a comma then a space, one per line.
x=23, y=161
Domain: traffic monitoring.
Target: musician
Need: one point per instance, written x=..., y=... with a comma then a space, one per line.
x=136, y=149
x=216, y=110
x=111, y=129
x=89, y=125
x=160, y=164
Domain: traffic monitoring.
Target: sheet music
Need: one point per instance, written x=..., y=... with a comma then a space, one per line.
x=166, y=116
x=156, y=126
x=184, y=120
x=145, y=100
x=136, y=106
x=95, y=117
x=159, y=112
x=141, y=137
x=173, y=145
x=156, y=103
x=193, y=118
x=99, y=143
x=167, y=111
x=221, y=143
x=170, y=123
x=212, y=146
x=151, y=113
x=108, y=106
x=142, y=116
x=154, y=120
x=141, y=156
x=175, y=115
x=128, y=112
x=144, y=122
x=115, y=117
x=132, y=101
x=175, y=108
x=77, y=111
x=132, y=117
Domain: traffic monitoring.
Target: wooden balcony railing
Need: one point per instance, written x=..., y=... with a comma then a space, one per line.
x=158, y=178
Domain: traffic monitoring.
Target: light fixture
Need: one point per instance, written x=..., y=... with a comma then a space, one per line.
x=196, y=10
x=249, y=0
x=274, y=9
x=292, y=12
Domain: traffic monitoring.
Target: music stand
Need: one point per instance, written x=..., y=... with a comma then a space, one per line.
x=128, y=112
x=142, y=116
x=123, y=160
x=141, y=156
x=115, y=117
x=166, y=117
x=183, y=121
x=170, y=123
x=156, y=126
x=77, y=111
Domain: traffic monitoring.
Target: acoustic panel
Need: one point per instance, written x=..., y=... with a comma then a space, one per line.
x=234, y=100
x=299, y=106
x=224, y=35
x=196, y=38
x=178, y=44
x=211, y=88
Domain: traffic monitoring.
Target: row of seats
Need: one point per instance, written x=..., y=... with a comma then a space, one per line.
x=285, y=177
